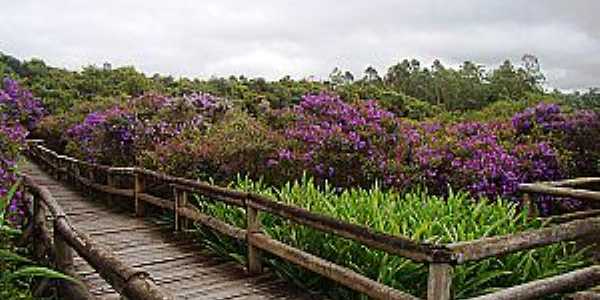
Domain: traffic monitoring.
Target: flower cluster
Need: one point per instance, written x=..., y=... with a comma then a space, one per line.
x=105, y=136
x=345, y=144
x=334, y=140
x=118, y=134
x=17, y=105
x=19, y=111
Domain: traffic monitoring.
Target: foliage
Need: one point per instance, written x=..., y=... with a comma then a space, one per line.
x=417, y=215
x=346, y=144
x=20, y=111
x=17, y=271
x=335, y=140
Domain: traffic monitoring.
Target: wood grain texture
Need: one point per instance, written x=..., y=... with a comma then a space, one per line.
x=179, y=266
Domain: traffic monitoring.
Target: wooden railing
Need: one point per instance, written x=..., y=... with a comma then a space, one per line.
x=57, y=248
x=441, y=258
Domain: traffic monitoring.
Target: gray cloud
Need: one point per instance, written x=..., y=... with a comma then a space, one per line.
x=301, y=38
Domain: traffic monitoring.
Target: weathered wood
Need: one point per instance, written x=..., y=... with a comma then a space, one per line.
x=63, y=259
x=253, y=227
x=131, y=283
x=213, y=195
x=530, y=206
x=392, y=244
x=439, y=284
x=573, y=182
x=185, y=224
x=572, y=216
x=138, y=189
x=129, y=193
x=579, y=194
x=110, y=183
x=330, y=270
x=501, y=245
x=124, y=279
x=196, y=186
x=176, y=196
x=213, y=223
x=160, y=202
x=579, y=279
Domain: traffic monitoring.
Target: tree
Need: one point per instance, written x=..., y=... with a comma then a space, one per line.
x=371, y=75
x=532, y=66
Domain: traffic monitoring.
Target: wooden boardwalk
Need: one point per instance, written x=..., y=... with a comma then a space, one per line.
x=178, y=265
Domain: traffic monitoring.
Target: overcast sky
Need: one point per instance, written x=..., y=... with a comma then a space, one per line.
x=304, y=37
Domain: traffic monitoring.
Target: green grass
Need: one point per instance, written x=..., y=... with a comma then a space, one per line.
x=416, y=215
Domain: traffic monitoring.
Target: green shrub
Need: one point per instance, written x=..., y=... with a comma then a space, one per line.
x=416, y=215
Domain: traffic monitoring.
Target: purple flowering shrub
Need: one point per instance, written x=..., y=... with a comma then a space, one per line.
x=237, y=144
x=12, y=141
x=345, y=144
x=575, y=135
x=333, y=140
x=477, y=157
x=19, y=111
x=120, y=134
x=105, y=137
x=17, y=105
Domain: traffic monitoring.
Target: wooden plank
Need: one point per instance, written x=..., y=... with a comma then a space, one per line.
x=580, y=194
x=178, y=263
x=579, y=279
x=213, y=223
x=501, y=245
x=328, y=269
x=573, y=182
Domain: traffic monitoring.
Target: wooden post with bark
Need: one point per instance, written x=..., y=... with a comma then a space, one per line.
x=64, y=262
x=439, y=284
x=139, y=183
x=183, y=202
x=177, y=196
x=253, y=226
x=110, y=181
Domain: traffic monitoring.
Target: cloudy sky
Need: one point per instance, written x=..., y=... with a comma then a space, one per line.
x=307, y=37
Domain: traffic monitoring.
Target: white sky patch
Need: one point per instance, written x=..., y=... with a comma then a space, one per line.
x=272, y=39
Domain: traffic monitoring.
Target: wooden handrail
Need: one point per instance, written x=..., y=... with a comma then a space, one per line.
x=558, y=191
x=441, y=258
x=127, y=281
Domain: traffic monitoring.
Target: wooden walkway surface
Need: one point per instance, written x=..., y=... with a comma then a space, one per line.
x=178, y=265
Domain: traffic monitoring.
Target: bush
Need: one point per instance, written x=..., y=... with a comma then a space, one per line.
x=336, y=141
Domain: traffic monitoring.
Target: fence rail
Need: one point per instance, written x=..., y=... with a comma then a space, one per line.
x=65, y=239
x=441, y=258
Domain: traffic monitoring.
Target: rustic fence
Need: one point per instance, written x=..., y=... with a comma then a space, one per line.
x=59, y=246
x=441, y=258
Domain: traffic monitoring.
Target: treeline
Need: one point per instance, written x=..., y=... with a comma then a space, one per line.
x=407, y=88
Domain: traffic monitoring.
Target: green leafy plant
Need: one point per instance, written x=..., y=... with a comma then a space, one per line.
x=17, y=271
x=417, y=215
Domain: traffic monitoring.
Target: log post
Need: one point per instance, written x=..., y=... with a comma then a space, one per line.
x=177, y=196
x=38, y=222
x=137, y=190
x=253, y=226
x=110, y=181
x=92, y=178
x=531, y=208
x=56, y=170
x=77, y=175
x=183, y=201
x=64, y=263
x=439, y=284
